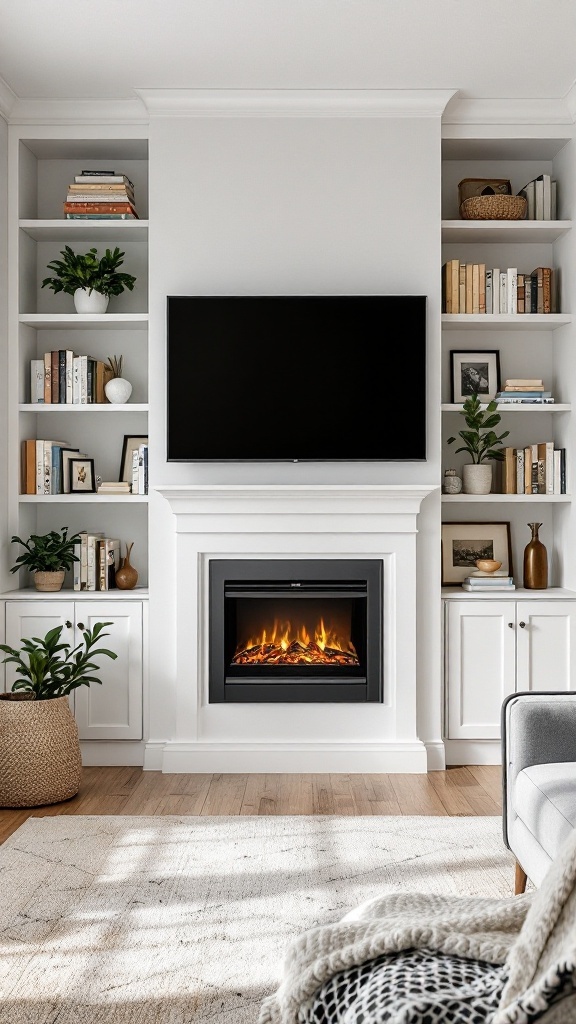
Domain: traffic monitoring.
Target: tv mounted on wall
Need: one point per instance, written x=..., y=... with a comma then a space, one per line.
x=296, y=378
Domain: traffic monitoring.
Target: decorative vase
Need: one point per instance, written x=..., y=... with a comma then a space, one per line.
x=126, y=575
x=452, y=483
x=86, y=301
x=477, y=478
x=40, y=759
x=49, y=581
x=118, y=390
x=535, y=561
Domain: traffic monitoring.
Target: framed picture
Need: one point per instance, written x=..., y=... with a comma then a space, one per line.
x=81, y=475
x=474, y=372
x=464, y=543
x=130, y=444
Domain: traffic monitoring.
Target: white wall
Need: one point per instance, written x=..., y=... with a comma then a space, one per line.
x=6, y=580
x=291, y=205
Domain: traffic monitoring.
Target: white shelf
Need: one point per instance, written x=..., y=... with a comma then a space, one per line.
x=504, y=230
x=505, y=321
x=63, y=230
x=546, y=499
x=456, y=593
x=83, y=499
x=31, y=594
x=506, y=407
x=99, y=407
x=76, y=321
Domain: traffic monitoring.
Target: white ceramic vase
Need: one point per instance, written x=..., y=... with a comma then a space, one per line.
x=477, y=478
x=118, y=390
x=90, y=301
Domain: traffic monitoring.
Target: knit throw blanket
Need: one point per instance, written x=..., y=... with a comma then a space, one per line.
x=533, y=935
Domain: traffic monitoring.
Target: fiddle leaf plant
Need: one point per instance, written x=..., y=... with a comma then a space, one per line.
x=480, y=440
x=48, y=668
x=89, y=271
x=47, y=552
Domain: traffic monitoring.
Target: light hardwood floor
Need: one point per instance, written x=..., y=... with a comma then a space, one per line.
x=468, y=790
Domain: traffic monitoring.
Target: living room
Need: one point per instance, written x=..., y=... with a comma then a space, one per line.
x=301, y=152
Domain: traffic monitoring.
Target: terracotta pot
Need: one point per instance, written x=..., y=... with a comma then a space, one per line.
x=40, y=759
x=126, y=576
x=49, y=581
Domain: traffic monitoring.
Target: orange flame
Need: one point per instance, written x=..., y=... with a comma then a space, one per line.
x=285, y=645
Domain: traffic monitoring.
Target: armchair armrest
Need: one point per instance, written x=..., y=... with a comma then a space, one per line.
x=538, y=727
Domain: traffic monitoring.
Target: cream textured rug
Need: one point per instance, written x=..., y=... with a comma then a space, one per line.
x=185, y=920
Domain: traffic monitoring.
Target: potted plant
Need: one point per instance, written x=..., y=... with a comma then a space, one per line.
x=41, y=757
x=481, y=443
x=116, y=388
x=48, y=556
x=90, y=279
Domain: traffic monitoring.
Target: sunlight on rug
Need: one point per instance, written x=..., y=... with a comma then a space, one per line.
x=185, y=920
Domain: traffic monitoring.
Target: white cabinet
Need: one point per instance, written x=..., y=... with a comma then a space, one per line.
x=114, y=709
x=496, y=647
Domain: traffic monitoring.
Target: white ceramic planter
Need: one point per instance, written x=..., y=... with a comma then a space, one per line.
x=118, y=390
x=90, y=301
x=477, y=478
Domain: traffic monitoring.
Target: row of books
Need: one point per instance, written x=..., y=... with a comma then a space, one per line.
x=65, y=378
x=99, y=559
x=45, y=466
x=476, y=288
x=535, y=469
x=541, y=198
x=524, y=391
x=487, y=582
x=140, y=469
x=100, y=195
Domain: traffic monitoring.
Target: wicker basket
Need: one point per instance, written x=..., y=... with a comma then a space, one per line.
x=494, y=208
x=40, y=759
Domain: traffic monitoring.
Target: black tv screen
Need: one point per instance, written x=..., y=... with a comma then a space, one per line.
x=296, y=378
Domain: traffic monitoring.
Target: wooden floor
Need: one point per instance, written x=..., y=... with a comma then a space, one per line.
x=473, y=789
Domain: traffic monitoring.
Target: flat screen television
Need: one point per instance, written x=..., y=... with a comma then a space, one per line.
x=296, y=378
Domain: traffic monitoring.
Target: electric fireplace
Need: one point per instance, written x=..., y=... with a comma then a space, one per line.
x=295, y=631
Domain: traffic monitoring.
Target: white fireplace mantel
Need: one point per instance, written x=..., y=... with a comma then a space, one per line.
x=293, y=522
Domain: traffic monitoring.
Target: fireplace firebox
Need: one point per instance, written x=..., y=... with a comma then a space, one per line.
x=295, y=630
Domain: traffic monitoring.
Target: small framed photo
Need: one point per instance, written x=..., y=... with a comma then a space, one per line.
x=474, y=373
x=464, y=543
x=82, y=479
x=130, y=444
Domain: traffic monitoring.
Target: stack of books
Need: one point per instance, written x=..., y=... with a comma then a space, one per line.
x=476, y=288
x=486, y=582
x=540, y=196
x=140, y=469
x=113, y=487
x=99, y=560
x=524, y=390
x=100, y=195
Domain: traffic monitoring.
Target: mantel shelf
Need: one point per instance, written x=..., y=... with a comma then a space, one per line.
x=63, y=230
x=506, y=498
x=504, y=230
x=505, y=321
x=78, y=321
x=83, y=499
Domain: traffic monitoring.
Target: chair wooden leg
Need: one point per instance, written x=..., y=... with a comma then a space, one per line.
x=520, y=880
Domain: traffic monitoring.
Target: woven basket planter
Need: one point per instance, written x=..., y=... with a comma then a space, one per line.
x=493, y=208
x=40, y=759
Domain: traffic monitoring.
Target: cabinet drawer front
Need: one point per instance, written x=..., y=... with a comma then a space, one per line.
x=480, y=665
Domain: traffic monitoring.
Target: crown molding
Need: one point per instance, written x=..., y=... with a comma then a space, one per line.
x=295, y=102
x=60, y=111
x=463, y=110
x=8, y=99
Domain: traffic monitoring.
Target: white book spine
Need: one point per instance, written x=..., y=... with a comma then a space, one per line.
x=83, y=560
x=553, y=200
x=496, y=290
x=512, y=290
x=557, y=485
x=489, y=299
x=36, y=381
x=549, y=467
x=76, y=380
x=92, y=563
x=519, y=471
x=135, y=470
x=83, y=380
x=39, y=467
x=69, y=381
x=503, y=291
x=547, y=197
x=539, y=199
x=47, y=451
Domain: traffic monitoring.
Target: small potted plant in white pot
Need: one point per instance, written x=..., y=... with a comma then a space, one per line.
x=39, y=742
x=90, y=279
x=47, y=556
x=481, y=443
x=116, y=388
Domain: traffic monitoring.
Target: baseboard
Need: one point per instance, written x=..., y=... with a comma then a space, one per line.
x=101, y=753
x=473, y=752
x=285, y=758
x=436, y=754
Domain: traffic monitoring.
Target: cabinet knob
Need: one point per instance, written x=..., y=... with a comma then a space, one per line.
x=522, y=625
x=81, y=625
x=511, y=624
x=68, y=624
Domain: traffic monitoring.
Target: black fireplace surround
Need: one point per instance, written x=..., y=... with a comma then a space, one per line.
x=295, y=631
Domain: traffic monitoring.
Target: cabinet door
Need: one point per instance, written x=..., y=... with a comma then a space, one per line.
x=546, y=645
x=479, y=666
x=35, y=618
x=113, y=710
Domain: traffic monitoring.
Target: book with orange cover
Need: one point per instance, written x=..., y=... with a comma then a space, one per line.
x=28, y=476
x=100, y=208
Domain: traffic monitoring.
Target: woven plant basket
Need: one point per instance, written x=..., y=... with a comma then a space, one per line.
x=40, y=759
x=493, y=208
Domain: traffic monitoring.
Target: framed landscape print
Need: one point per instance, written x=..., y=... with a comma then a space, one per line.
x=464, y=543
x=474, y=372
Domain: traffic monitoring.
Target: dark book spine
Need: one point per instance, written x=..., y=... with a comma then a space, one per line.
x=562, y=471
x=62, y=376
x=534, y=293
x=55, y=376
x=91, y=381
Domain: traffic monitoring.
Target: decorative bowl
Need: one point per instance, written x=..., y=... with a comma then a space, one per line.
x=488, y=564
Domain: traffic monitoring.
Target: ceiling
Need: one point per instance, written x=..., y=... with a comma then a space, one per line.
x=105, y=49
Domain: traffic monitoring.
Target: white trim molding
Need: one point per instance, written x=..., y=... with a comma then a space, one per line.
x=467, y=110
x=295, y=102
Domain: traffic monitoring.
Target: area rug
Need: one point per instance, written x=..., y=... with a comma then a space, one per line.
x=185, y=920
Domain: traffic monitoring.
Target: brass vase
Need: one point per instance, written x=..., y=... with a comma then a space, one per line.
x=535, y=561
x=126, y=576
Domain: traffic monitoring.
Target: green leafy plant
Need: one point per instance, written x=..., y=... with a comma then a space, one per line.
x=47, y=552
x=76, y=270
x=480, y=440
x=48, y=668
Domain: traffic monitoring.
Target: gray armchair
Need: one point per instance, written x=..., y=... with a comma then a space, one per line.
x=539, y=778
